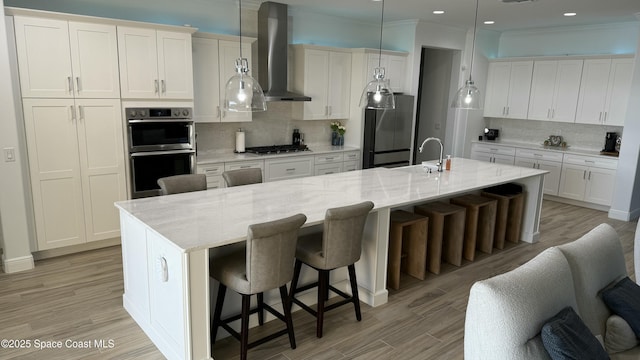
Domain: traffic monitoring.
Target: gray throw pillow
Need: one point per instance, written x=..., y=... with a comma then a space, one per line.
x=566, y=337
x=623, y=299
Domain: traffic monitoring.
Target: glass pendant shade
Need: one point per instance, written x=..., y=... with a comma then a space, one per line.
x=242, y=92
x=467, y=97
x=378, y=94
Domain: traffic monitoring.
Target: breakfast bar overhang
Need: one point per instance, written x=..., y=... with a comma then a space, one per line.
x=166, y=240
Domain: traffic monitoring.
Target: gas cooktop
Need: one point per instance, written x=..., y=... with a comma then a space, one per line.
x=276, y=149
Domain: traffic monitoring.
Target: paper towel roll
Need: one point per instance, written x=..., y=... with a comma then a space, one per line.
x=240, y=141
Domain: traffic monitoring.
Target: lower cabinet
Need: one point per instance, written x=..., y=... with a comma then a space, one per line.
x=77, y=169
x=588, y=179
x=493, y=153
x=288, y=168
x=543, y=160
x=213, y=173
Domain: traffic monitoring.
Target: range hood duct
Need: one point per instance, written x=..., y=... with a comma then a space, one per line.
x=273, y=46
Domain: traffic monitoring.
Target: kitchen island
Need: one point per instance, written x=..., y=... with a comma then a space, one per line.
x=166, y=241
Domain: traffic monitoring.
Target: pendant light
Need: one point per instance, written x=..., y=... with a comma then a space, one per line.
x=468, y=96
x=378, y=94
x=242, y=92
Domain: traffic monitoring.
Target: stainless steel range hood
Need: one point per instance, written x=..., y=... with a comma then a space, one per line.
x=273, y=47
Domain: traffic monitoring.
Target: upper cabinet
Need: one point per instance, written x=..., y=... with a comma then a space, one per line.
x=213, y=65
x=325, y=76
x=508, y=86
x=66, y=59
x=155, y=64
x=395, y=69
x=554, y=90
x=604, y=92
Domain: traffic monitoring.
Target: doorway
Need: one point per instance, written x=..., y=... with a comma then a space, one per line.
x=433, y=102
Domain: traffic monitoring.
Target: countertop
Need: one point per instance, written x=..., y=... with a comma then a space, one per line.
x=568, y=150
x=217, y=217
x=212, y=157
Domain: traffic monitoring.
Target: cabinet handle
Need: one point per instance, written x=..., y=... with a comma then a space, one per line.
x=164, y=86
x=600, y=118
x=548, y=113
x=77, y=83
x=584, y=175
x=164, y=269
x=293, y=169
x=589, y=175
x=507, y=110
x=73, y=113
x=218, y=111
x=553, y=113
x=70, y=84
x=155, y=84
x=605, y=117
x=81, y=111
x=504, y=110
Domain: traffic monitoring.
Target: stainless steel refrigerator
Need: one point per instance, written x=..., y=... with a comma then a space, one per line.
x=387, y=135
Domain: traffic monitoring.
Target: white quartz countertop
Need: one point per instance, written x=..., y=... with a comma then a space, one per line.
x=567, y=150
x=212, y=157
x=217, y=217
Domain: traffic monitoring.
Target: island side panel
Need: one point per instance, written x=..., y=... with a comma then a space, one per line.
x=134, y=267
x=199, y=309
x=533, y=191
x=371, y=269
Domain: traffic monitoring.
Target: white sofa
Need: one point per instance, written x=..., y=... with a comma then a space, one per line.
x=506, y=313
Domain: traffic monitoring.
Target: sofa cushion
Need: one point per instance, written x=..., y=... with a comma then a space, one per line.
x=566, y=337
x=624, y=300
x=619, y=336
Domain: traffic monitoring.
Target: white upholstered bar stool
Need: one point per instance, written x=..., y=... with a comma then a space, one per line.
x=338, y=245
x=242, y=177
x=182, y=183
x=265, y=263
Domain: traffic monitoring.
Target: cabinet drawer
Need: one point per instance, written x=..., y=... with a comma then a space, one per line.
x=288, y=168
x=591, y=161
x=351, y=155
x=350, y=165
x=494, y=149
x=210, y=169
x=331, y=168
x=539, y=154
x=215, y=182
x=244, y=165
x=329, y=158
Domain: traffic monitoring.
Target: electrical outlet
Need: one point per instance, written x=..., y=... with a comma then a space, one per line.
x=9, y=154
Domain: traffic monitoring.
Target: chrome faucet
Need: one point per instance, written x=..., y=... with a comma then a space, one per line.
x=441, y=150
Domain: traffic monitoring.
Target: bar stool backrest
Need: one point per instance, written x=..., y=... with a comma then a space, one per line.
x=242, y=177
x=182, y=183
x=342, y=234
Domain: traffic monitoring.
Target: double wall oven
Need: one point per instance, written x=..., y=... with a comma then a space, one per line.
x=161, y=143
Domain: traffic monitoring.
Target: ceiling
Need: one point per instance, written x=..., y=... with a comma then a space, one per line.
x=460, y=13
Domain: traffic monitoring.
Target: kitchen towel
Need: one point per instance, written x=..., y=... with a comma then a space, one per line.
x=240, y=141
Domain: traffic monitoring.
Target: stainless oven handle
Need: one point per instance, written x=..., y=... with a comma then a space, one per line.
x=149, y=121
x=156, y=153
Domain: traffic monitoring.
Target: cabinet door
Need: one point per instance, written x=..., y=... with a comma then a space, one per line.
x=552, y=179
x=396, y=70
x=519, y=89
x=102, y=162
x=593, y=91
x=138, y=59
x=618, y=91
x=229, y=51
x=175, y=67
x=94, y=56
x=481, y=156
x=331, y=168
x=54, y=166
x=206, y=80
x=542, y=87
x=339, y=90
x=599, y=187
x=573, y=181
x=44, y=57
x=288, y=168
x=567, y=87
x=503, y=159
x=316, y=84
x=497, y=91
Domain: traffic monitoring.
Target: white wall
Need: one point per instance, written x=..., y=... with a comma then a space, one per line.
x=15, y=226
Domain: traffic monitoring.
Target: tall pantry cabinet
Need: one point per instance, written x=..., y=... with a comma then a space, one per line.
x=71, y=101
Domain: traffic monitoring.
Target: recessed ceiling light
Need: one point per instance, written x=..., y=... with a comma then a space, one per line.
x=570, y=14
x=438, y=12
x=489, y=22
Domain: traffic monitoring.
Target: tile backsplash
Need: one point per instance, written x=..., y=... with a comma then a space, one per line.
x=272, y=127
x=583, y=136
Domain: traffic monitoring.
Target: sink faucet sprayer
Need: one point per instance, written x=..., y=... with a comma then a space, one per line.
x=441, y=150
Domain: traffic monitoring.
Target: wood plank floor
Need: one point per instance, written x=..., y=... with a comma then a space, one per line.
x=79, y=298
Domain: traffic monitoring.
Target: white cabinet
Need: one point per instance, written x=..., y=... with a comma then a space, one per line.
x=76, y=162
x=499, y=154
x=604, y=91
x=351, y=161
x=543, y=160
x=508, y=86
x=155, y=64
x=288, y=168
x=589, y=179
x=329, y=163
x=554, y=90
x=213, y=65
x=213, y=173
x=395, y=69
x=66, y=59
x=325, y=76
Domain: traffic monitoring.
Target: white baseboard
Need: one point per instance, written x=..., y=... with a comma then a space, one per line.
x=18, y=264
x=624, y=215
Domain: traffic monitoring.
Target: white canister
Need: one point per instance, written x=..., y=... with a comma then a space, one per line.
x=240, y=141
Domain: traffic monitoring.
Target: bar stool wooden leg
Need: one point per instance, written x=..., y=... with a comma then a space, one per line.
x=395, y=257
x=514, y=222
x=470, y=233
x=435, y=242
x=217, y=313
x=454, y=238
x=286, y=307
x=486, y=227
x=354, y=291
x=260, y=297
x=244, y=327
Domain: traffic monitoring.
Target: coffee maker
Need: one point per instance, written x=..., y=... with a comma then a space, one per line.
x=610, y=142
